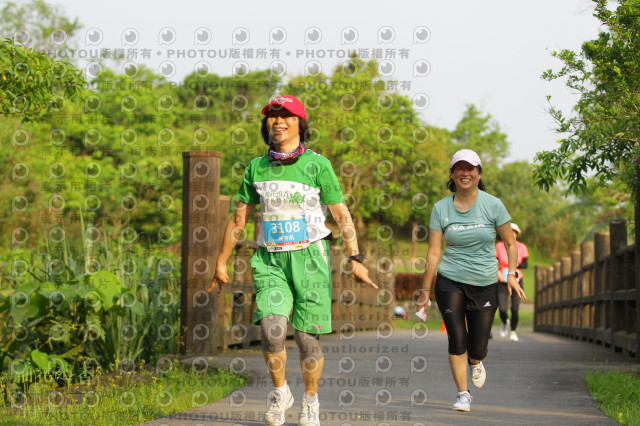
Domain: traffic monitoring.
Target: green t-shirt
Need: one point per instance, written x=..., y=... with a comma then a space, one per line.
x=293, y=199
x=469, y=254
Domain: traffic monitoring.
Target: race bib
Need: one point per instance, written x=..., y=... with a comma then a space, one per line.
x=286, y=235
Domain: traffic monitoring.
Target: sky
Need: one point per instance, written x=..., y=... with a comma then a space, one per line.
x=490, y=53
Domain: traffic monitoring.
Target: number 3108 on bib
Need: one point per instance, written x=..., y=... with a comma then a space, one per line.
x=285, y=235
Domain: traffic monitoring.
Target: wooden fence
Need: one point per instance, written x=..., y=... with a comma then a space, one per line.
x=211, y=321
x=593, y=295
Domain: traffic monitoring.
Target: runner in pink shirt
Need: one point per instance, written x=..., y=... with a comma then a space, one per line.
x=503, y=292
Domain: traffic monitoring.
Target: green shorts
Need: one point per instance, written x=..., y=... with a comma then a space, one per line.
x=298, y=280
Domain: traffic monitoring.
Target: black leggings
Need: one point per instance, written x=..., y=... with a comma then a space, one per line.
x=477, y=305
x=503, y=302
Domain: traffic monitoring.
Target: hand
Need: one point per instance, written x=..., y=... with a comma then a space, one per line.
x=513, y=285
x=423, y=300
x=361, y=274
x=220, y=277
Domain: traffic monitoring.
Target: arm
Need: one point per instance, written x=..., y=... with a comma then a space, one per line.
x=340, y=213
x=231, y=236
x=512, y=254
x=433, y=258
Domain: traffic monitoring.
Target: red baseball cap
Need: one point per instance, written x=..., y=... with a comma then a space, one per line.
x=288, y=102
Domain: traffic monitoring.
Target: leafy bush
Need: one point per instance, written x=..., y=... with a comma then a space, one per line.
x=112, y=308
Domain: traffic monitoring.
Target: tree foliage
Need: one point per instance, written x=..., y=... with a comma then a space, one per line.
x=481, y=133
x=603, y=131
x=550, y=222
x=37, y=24
x=32, y=84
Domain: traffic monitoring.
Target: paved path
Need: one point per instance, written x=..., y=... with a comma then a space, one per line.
x=404, y=379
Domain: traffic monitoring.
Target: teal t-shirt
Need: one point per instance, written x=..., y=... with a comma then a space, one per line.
x=469, y=253
x=293, y=199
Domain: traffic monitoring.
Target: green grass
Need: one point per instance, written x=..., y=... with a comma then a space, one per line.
x=525, y=318
x=434, y=319
x=617, y=394
x=122, y=399
x=408, y=324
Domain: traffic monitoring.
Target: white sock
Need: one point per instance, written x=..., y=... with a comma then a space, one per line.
x=310, y=399
x=283, y=389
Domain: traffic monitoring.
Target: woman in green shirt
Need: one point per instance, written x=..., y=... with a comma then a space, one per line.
x=294, y=187
x=465, y=287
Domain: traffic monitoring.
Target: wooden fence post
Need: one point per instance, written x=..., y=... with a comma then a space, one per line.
x=557, y=297
x=574, y=322
x=587, y=291
x=601, y=249
x=618, y=240
x=538, y=287
x=550, y=298
x=223, y=336
x=565, y=289
x=200, y=221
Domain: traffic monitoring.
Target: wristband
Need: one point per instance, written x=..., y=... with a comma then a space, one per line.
x=357, y=257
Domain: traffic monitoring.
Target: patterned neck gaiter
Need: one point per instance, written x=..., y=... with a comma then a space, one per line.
x=287, y=157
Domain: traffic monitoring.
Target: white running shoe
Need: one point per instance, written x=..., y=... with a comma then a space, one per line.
x=277, y=403
x=478, y=374
x=463, y=401
x=310, y=415
x=504, y=329
x=513, y=336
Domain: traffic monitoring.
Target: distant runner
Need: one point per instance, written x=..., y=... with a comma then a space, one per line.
x=503, y=292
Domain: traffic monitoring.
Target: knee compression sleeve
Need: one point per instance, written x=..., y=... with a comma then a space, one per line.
x=273, y=329
x=309, y=346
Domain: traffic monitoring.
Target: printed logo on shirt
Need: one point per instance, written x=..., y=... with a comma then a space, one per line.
x=487, y=305
x=465, y=228
x=286, y=196
x=448, y=311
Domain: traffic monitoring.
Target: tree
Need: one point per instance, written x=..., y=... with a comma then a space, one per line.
x=551, y=222
x=483, y=135
x=32, y=84
x=37, y=24
x=603, y=132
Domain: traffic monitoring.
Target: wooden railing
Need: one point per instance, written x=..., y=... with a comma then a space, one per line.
x=210, y=321
x=593, y=294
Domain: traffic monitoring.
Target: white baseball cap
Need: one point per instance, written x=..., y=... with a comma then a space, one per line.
x=515, y=228
x=466, y=155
